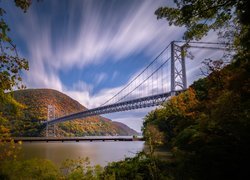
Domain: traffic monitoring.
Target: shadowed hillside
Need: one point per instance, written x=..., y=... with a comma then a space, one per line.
x=37, y=101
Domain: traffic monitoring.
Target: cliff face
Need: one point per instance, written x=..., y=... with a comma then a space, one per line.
x=37, y=101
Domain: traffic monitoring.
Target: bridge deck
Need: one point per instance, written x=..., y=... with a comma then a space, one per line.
x=148, y=101
x=76, y=139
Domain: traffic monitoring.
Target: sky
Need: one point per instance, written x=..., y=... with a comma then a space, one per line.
x=90, y=49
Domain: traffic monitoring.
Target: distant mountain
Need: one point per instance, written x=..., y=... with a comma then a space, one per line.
x=37, y=101
x=124, y=128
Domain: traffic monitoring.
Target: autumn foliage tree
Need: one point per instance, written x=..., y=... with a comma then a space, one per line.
x=11, y=66
x=207, y=127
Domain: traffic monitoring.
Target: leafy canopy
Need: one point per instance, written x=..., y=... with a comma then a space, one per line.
x=11, y=64
x=229, y=17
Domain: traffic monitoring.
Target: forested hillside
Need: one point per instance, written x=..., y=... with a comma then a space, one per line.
x=206, y=128
x=36, y=103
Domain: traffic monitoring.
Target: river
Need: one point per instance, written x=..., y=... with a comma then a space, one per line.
x=99, y=152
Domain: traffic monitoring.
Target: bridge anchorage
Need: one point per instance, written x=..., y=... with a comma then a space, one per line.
x=151, y=87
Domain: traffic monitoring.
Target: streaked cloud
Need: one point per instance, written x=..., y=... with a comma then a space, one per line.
x=82, y=86
x=100, y=77
x=73, y=36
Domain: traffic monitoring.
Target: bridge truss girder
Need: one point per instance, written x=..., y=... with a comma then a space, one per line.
x=144, y=102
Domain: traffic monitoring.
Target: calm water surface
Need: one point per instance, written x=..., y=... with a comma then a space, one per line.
x=98, y=152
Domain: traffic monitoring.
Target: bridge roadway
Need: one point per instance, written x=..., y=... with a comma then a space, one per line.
x=76, y=139
x=144, y=102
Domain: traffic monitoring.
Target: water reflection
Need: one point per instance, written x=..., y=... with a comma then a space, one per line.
x=98, y=152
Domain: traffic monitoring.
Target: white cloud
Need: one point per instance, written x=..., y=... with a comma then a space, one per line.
x=91, y=101
x=136, y=30
x=100, y=77
x=121, y=36
x=82, y=97
x=82, y=86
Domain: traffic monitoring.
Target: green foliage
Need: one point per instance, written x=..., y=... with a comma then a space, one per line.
x=9, y=108
x=198, y=16
x=209, y=138
x=23, y=4
x=201, y=88
x=230, y=17
x=207, y=127
x=29, y=169
x=140, y=167
x=80, y=169
x=45, y=169
x=11, y=64
x=153, y=137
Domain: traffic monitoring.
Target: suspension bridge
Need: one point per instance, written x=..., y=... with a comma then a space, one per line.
x=164, y=77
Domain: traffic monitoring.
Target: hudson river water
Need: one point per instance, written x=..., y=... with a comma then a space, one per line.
x=99, y=152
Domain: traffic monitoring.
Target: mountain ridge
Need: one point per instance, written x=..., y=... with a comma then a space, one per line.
x=36, y=102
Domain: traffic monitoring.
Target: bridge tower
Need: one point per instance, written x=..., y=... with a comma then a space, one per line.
x=50, y=129
x=178, y=68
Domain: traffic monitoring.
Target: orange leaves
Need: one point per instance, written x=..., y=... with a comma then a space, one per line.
x=184, y=103
x=4, y=132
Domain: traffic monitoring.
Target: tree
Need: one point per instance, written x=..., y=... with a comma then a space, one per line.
x=11, y=66
x=29, y=169
x=153, y=138
x=80, y=169
x=10, y=63
x=230, y=17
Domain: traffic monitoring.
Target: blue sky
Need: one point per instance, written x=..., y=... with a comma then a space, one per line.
x=91, y=49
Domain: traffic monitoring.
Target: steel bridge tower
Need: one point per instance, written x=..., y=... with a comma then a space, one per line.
x=178, y=68
x=178, y=83
x=50, y=129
